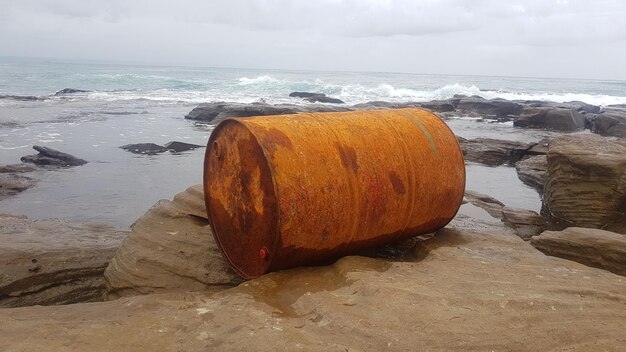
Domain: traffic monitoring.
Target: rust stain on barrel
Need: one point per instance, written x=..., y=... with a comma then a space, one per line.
x=289, y=190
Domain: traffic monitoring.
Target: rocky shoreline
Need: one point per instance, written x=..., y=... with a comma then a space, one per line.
x=495, y=278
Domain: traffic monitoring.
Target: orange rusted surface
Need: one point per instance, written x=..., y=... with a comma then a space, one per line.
x=288, y=190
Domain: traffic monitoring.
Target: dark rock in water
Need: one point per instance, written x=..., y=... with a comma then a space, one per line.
x=533, y=171
x=316, y=97
x=324, y=99
x=16, y=168
x=438, y=106
x=573, y=105
x=593, y=247
x=66, y=91
x=21, y=97
x=376, y=105
x=611, y=123
x=177, y=147
x=12, y=184
x=52, y=157
x=145, y=148
x=216, y=112
x=50, y=262
x=494, y=152
x=498, y=108
x=305, y=94
x=559, y=119
x=586, y=186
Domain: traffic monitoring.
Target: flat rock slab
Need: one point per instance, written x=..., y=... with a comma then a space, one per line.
x=593, y=247
x=462, y=291
x=52, y=261
x=52, y=157
x=170, y=248
x=12, y=184
x=533, y=171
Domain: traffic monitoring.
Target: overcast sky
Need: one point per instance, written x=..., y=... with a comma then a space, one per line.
x=546, y=38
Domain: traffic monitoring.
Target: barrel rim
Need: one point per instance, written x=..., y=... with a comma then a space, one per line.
x=276, y=236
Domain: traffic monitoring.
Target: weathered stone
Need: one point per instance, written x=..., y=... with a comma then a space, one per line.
x=494, y=152
x=525, y=223
x=66, y=91
x=178, y=147
x=610, y=123
x=170, y=248
x=12, y=184
x=462, y=291
x=144, y=148
x=559, y=119
x=579, y=106
x=52, y=157
x=53, y=262
x=586, y=184
x=533, y=171
x=593, y=247
x=16, y=168
x=494, y=108
x=322, y=98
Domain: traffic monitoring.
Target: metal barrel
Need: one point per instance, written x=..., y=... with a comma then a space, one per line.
x=283, y=191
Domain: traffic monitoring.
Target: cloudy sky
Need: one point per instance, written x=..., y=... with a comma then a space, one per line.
x=544, y=38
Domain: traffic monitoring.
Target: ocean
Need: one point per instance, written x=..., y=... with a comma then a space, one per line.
x=138, y=104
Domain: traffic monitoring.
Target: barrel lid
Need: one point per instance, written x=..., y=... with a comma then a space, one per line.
x=240, y=198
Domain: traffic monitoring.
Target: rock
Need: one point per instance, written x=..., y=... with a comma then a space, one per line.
x=66, y=91
x=305, y=94
x=144, y=148
x=494, y=108
x=170, y=248
x=52, y=157
x=494, y=152
x=586, y=184
x=16, y=168
x=533, y=171
x=609, y=124
x=178, y=147
x=21, y=97
x=377, y=105
x=324, y=99
x=559, y=119
x=12, y=184
x=525, y=223
x=462, y=291
x=438, y=106
x=48, y=262
x=596, y=248
x=579, y=106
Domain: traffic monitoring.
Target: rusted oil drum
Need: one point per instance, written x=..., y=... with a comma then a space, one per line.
x=288, y=190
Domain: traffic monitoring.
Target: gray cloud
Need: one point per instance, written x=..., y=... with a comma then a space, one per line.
x=531, y=37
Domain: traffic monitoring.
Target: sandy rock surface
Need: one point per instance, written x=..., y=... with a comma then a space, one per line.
x=461, y=291
x=533, y=171
x=593, y=247
x=586, y=183
x=171, y=247
x=52, y=261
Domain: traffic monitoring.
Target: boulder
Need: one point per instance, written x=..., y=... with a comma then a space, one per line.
x=16, y=168
x=178, y=147
x=558, y=119
x=579, y=106
x=494, y=152
x=66, y=91
x=216, y=112
x=144, y=148
x=461, y=291
x=533, y=171
x=494, y=108
x=12, y=184
x=610, y=123
x=49, y=262
x=170, y=248
x=52, y=157
x=586, y=183
x=593, y=247
x=316, y=97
